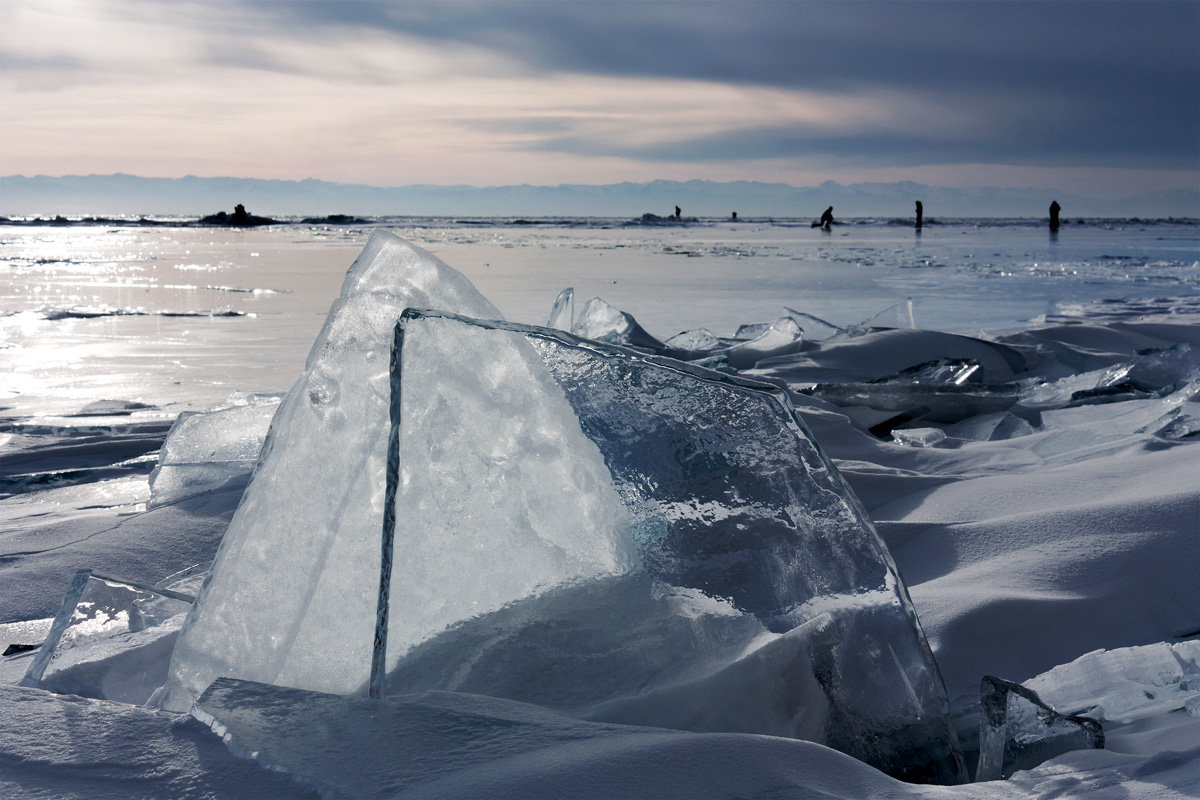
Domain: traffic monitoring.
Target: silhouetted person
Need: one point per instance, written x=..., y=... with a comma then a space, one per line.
x=239, y=214
x=677, y=212
x=1054, y=209
x=735, y=215
x=826, y=218
x=920, y=212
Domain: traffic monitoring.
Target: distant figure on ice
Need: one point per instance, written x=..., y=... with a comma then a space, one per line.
x=678, y=211
x=1054, y=209
x=920, y=212
x=734, y=216
x=826, y=220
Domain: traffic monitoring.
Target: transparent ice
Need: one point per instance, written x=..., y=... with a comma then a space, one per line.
x=205, y=450
x=1018, y=730
x=293, y=592
x=726, y=578
x=562, y=315
x=111, y=640
x=606, y=323
x=1127, y=683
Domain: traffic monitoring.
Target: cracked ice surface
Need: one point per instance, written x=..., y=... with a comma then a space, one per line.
x=287, y=601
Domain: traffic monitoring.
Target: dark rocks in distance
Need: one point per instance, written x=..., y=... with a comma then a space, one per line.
x=334, y=219
x=238, y=219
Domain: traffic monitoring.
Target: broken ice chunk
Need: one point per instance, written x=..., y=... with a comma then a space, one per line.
x=727, y=497
x=1017, y=730
x=824, y=328
x=206, y=450
x=1126, y=683
x=562, y=315
x=781, y=337
x=694, y=343
x=111, y=640
x=500, y=496
x=299, y=564
x=919, y=437
x=606, y=323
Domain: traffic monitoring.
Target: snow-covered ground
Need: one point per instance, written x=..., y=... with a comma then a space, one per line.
x=1043, y=511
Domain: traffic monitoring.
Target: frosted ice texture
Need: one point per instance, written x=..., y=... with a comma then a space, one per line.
x=729, y=502
x=1018, y=730
x=292, y=595
x=111, y=640
x=207, y=449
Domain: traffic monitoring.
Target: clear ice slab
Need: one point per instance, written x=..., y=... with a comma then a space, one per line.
x=1018, y=730
x=205, y=450
x=111, y=639
x=606, y=323
x=292, y=595
x=712, y=510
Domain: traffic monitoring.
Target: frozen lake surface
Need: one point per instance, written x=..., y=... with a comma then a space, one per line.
x=1021, y=431
x=170, y=316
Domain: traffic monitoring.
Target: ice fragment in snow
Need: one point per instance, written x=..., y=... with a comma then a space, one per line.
x=698, y=342
x=919, y=437
x=299, y=564
x=1017, y=730
x=747, y=348
x=562, y=315
x=206, y=450
x=781, y=337
x=111, y=640
x=1129, y=682
x=726, y=500
x=605, y=323
x=825, y=328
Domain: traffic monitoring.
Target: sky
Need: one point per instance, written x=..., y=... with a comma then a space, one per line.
x=1100, y=98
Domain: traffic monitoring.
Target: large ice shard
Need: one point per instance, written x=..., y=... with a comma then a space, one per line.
x=289, y=600
x=111, y=639
x=718, y=549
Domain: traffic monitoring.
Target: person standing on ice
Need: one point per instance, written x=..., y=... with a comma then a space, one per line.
x=1054, y=209
x=920, y=212
x=678, y=211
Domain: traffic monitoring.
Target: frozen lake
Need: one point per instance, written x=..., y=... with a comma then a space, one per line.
x=181, y=316
x=1033, y=485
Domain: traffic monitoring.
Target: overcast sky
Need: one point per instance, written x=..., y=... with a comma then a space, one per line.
x=1096, y=97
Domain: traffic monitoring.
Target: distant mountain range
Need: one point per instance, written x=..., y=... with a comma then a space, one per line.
x=120, y=194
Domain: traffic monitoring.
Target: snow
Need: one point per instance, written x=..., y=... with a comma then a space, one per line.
x=1056, y=544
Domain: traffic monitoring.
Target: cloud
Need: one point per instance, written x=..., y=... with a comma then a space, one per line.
x=582, y=88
